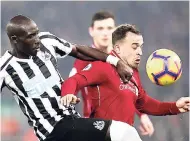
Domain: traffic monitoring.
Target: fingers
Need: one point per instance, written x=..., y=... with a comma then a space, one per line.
x=186, y=99
x=151, y=129
x=69, y=99
x=186, y=107
x=146, y=125
x=142, y=130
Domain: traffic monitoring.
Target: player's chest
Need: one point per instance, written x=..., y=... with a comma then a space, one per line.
x=126, y=89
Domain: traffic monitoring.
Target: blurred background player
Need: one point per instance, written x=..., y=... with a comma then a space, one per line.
x=102, y=26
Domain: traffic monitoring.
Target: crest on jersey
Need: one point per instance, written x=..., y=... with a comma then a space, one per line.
x=47, y=56
x=87, y=67
x=99, y=125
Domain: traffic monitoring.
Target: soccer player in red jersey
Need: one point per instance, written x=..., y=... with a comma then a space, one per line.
x=102, y=26
x=116, y=100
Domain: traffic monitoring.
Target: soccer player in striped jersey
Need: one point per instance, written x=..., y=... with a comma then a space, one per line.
x=116, y=100
x=102, y=26
x=30, y=72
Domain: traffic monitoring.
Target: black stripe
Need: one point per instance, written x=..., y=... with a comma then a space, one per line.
x=40, y=138
x=43, y=68
x=59, y=51
x=43, y=111
x=16, y=79
x=3, y=85
x=57, y=90
x=32, y=115
x=29, y=72
x=66, y=44
x=44, y=95
x=6, y=62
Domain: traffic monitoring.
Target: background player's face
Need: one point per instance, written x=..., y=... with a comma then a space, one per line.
x=101, y=33
x=28, y=42
x=130, y=49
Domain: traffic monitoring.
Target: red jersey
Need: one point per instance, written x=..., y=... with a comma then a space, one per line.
x=116, y=100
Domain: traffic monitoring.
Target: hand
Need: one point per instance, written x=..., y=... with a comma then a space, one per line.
x=183, y=104
x=69, y=99
x=146, y=126
x=124, y=71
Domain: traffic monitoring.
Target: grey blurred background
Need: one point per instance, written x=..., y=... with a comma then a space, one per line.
x=163, y=24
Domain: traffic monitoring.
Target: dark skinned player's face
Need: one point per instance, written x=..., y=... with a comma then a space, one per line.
x=28, y=42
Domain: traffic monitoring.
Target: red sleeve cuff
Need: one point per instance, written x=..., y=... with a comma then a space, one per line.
x=174, y=109
x=169, y=108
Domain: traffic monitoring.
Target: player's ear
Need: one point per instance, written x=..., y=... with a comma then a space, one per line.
x=14, y=39
x=91, y=32
x=117, y=48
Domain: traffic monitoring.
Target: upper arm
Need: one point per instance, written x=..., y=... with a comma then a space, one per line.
x=95, y=73
x=78, y=66
x=60, y=46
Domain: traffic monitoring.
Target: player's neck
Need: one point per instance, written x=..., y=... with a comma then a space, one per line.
x=19, y=54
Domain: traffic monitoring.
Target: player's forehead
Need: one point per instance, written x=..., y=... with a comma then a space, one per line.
x=109, y=22
x=134, y=38
x=31, y=27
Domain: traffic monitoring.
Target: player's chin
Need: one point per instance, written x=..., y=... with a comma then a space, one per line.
x=135, y=65
x=34, y=53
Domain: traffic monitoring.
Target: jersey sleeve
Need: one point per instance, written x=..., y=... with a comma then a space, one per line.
x=96, y=72
x=60, y=47
x=2, y=81
x=92, y=74
x=80, y=64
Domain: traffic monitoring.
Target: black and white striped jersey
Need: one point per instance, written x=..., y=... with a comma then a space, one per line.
x=36, y=83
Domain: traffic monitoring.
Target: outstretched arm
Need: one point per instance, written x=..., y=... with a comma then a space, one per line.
x=149, y=105
x=61, y=48
x=84, y=52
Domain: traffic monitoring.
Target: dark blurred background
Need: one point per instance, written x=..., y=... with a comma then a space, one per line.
x=163, y=24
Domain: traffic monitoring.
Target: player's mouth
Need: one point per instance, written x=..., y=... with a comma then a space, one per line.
x=137, y=61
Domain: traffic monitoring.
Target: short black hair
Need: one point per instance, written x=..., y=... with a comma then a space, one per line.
x=120, y=32
x=101, y=15
x=17, y=22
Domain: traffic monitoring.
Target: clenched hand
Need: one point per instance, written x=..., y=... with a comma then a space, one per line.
x=124, y=71
x=69, y=99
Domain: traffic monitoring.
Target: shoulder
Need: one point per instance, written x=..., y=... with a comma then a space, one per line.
x=101, y=66
x=80, y=64
x=5, y=60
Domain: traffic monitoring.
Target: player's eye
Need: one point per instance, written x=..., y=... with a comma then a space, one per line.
x=100, y=28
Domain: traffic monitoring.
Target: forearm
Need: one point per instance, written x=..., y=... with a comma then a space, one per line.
x=92, y=52
x=154, y=107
